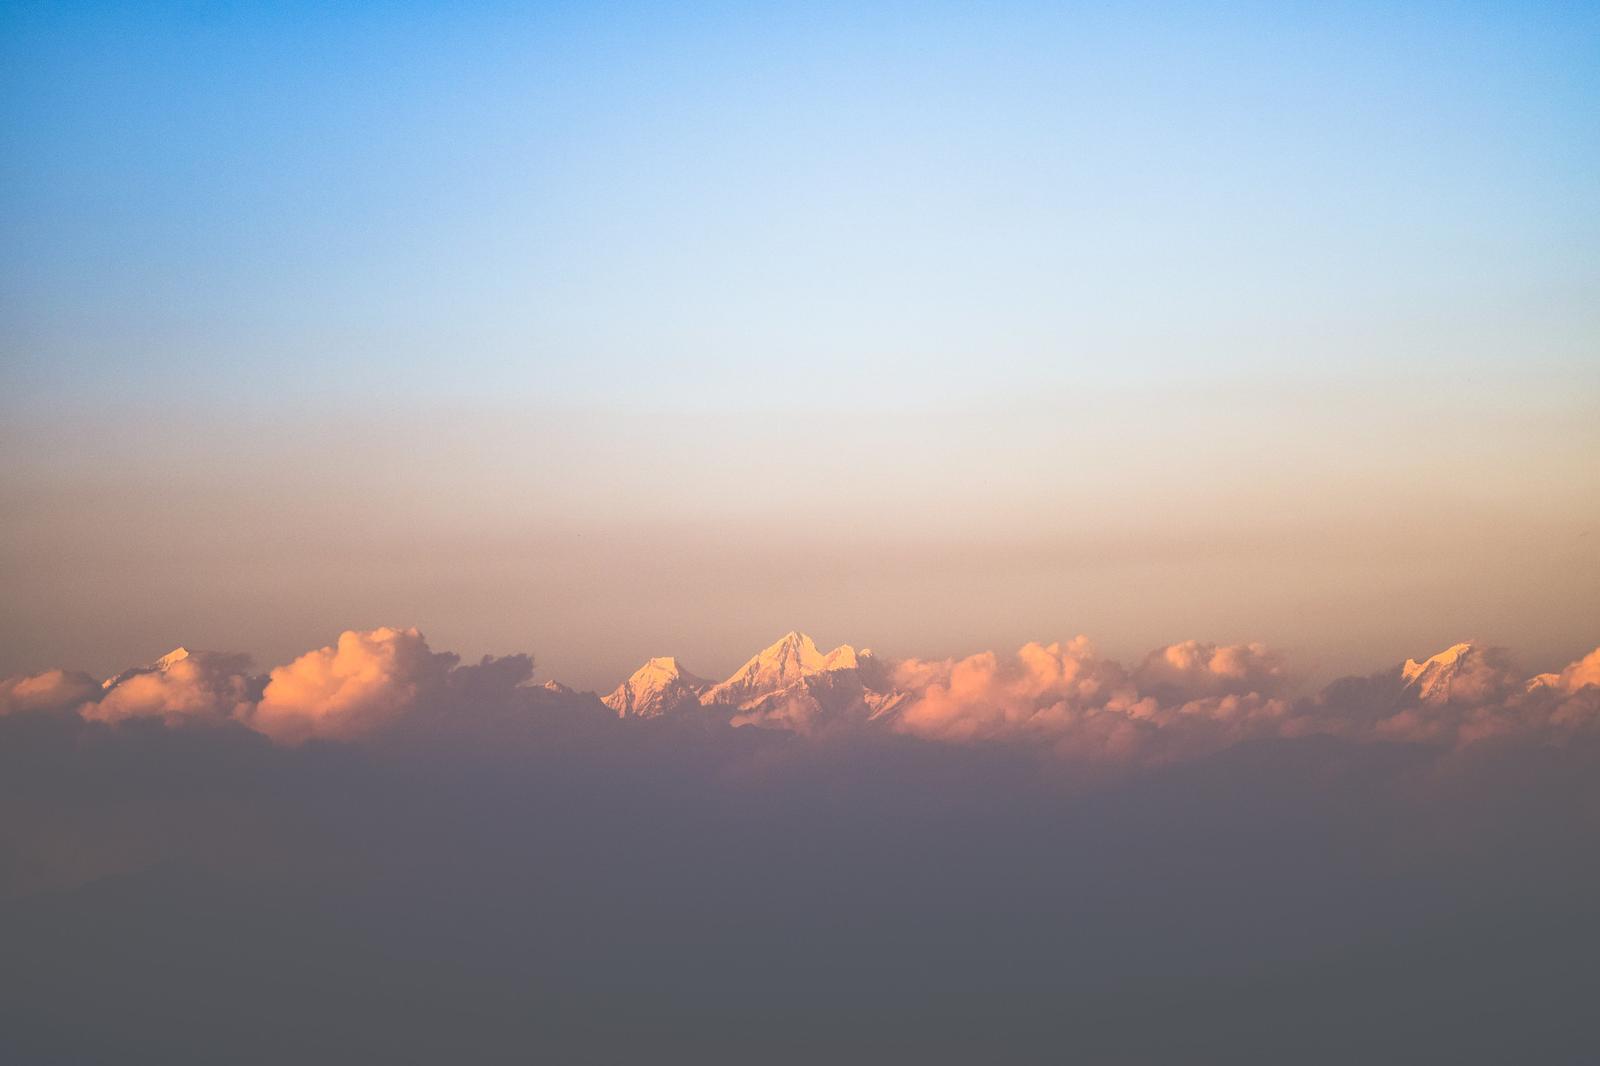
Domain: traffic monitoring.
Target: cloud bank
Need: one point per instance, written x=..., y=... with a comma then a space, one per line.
x=1180, y=701
x=426, y=860
x=1190, y=696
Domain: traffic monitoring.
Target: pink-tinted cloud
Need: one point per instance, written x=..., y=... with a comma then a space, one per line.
x=367, y=681
x=349, y=688
x=1548, y=712
x=1583, y=672
x=1180, y=701
x=1194, y=668
x=213, y=686
x=52, y=690
x=1184, y=697
x=982, y=697
x=1462, y=696
x=1191, y=698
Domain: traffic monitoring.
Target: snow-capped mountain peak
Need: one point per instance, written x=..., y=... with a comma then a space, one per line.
x=791, y=658
x=1431, y=679
x=176, y=655
x=660, y=686
x=791, y=683
x=161, y=665
x=791, y=655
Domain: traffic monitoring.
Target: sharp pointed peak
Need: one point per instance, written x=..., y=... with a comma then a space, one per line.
x=663, y=666
x=792, y=639
x=1449, y=657
x=790, y=659
x=176, y=655
x=661, y=684
x=166, y=662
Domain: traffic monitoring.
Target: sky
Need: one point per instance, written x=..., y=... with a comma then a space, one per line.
x=1147, y=385
x=610, y=331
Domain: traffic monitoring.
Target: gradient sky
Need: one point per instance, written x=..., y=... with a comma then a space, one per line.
x=613, y=331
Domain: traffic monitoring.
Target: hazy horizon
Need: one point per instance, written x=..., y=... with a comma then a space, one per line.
x=498, y=535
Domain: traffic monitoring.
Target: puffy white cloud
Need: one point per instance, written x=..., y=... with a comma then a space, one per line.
x=1190, y=698
x=984, y=697
x=1184, y=697
x=1194, y=668
x=349, y=688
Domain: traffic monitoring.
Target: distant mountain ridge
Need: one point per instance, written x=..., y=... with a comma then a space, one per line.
x=160, y=666
x=1230, y=692
x=791, y=683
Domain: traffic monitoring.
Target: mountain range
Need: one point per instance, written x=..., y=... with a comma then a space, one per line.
x=794, y=685
x=789, y=684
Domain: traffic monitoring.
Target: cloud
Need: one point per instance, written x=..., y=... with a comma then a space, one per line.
x=202, y=686
x=544, y=892
x=350, y=688
x=1181, y=701
x=1193, y=669
x=1548, y=713
x=1056, y=817
x=53, y=690
x=1472, y=695
x=1581, y=673
x=365, y=683
x=1185, y=697
x=983, y=697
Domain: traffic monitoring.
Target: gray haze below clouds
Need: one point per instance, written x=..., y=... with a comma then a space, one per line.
x=557, y=884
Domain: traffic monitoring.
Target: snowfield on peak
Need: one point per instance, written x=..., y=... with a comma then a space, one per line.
x=1431, y=679
x=790, y=684
x=160, y=666
x=660, y=686
x=791, y=658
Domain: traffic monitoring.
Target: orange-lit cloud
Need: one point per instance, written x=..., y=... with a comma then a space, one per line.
x=51, y=690
x=1180, y=701
x=1583, y=672
x=349, y=688
x=1194, y=668
x=1190, y=698
x=1184, y=697
x=199, y=686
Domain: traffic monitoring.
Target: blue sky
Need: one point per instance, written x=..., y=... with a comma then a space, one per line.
x=680, y=202
x=815, y=277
